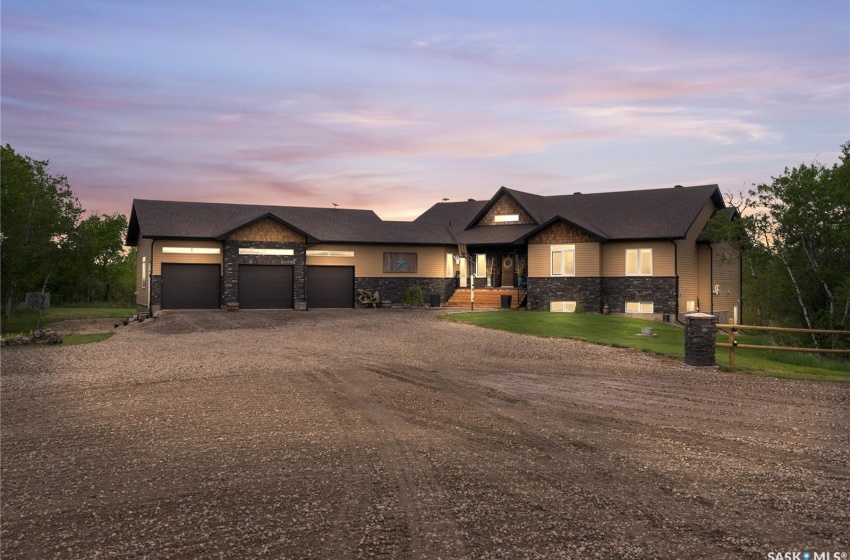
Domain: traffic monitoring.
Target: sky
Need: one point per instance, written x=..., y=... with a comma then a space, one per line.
x=394, y=106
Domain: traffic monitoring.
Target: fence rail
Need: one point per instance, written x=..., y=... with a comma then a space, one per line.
x=733, y=344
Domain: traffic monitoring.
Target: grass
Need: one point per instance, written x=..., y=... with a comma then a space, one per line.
x=623, y=332
x=24, y=320
x=74, y=339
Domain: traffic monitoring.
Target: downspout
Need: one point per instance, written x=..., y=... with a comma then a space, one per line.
x=150, y=280
x=711, y=275
x=676, y=270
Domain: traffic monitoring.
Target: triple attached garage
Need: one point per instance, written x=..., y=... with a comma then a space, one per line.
x=199, y=286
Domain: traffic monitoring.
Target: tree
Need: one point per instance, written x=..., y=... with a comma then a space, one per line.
x=94, y=258
x=795, y=231
x=39, y=215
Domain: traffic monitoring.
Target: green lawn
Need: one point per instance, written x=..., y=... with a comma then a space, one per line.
x=624, y=332
x=24, y=320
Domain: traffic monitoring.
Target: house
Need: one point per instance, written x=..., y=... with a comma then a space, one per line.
x=633, y=252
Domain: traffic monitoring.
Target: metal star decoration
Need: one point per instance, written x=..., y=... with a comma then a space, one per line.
x=400, y=263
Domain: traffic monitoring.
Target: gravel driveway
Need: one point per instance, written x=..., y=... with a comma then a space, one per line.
x=392, y=434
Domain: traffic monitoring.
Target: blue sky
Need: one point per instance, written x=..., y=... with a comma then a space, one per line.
x=395, y=105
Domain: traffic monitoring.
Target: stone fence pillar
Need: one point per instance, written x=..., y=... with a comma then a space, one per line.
x=700, y=338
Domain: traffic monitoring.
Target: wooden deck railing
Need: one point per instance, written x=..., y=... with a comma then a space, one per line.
x=733, y=344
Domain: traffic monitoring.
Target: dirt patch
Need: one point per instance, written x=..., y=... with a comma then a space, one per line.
x=389, y=433
x=84, y=326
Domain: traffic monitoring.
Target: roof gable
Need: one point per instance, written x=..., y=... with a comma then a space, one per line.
x=505, y=201
x=559, y=230
x=267, y=227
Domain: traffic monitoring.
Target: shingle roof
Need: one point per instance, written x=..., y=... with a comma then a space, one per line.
x=646, y=214
x=204, y=220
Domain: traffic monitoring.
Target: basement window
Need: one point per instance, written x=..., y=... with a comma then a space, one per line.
x=266, y=252
x=322, y=253
x=192, y=250
x=501, y=218
x=639, y=307
x=562, y=306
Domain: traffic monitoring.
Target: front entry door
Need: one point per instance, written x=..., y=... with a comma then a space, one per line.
x=508, y=264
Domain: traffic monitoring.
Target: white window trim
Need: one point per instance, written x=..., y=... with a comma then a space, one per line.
x=562, y=306
x=638, y=261
x=328, y=253
x=562, y=249
x=501, y=218
x=642, y=307
x=266, y=252
x=192, y=250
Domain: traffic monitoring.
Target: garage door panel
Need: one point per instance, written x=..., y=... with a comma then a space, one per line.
x=265, y=287
x=330, y=286
x=190, y=286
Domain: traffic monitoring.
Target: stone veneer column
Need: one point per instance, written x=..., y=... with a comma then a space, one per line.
x=700, y=338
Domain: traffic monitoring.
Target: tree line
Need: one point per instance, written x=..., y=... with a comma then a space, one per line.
x=46, y=245
x=795, y=236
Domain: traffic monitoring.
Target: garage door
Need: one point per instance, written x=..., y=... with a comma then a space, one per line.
x=330, y=286
x=190, y=286
x=265, y=286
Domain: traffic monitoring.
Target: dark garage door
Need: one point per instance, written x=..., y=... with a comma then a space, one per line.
x=190, y=286
x=265, y=286
x=330, y=286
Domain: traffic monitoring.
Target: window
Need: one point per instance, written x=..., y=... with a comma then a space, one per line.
x=145, y=271
x=400, y=262
x=638, y=262
x=501, y=218
x=639, y=307
x=480, y=265
x=318, y=253
x=267, y=252
x=563, y=260
x=562, y=306
x=192, y=250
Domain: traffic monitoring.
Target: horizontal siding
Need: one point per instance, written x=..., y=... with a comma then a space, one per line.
x=368, y=260
x=142, y=250
x=587, y=260
x=727, y=274
x=688, y=261
x=614, y=257
x=704, y=280
x=159, y=257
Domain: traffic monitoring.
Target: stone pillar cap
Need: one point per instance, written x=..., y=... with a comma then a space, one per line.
x=700, y=316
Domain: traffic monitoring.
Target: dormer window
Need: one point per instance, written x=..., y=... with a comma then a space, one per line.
x=506, y=218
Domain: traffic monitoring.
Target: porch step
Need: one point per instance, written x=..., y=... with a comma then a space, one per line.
x=486, y=298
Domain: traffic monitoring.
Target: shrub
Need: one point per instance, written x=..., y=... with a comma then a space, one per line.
x=413, y=297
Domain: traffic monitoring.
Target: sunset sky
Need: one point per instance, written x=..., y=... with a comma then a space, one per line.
x=394, y=106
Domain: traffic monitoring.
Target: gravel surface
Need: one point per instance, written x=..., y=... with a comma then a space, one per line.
x=391, y=434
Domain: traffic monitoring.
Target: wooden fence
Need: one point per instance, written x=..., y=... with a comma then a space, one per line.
x=733, y=344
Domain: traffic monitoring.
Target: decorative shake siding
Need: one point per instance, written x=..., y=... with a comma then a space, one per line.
x=143, y=249
x=159, y=257
x=560, y=233
x=505, y=205
x=368, y=260
x=587, y=260
x=614, y=257
x=688, y=261
x=267, y=230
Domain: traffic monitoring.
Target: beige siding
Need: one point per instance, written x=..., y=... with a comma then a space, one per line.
x=688, y=261
x=614, y=257
x=142, y=250
x=587, y=260
x=159, y=257
x=368, y=260
x=704, y=281
x=726, y=262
